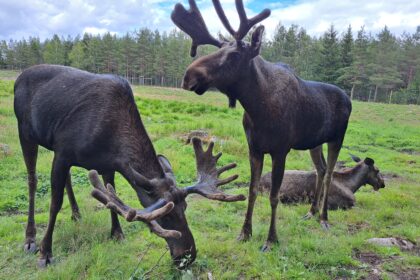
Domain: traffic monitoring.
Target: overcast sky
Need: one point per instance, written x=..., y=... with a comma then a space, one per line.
x=43, y=18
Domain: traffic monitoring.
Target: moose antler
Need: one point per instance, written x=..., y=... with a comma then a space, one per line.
x=191, y=22
x=108, y=197
x=245, y=23
x=208, y=174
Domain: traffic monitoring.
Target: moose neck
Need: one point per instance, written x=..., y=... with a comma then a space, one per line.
x=352, y=178
x=253, y=89
x=139, y=149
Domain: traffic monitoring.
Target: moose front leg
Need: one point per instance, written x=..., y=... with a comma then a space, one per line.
x=256, y=160
x=333, y=152
x=116, y=231
x=276, y=179
x=59, y=176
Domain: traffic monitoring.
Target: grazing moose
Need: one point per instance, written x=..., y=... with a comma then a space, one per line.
x=92, y=121
x=299, y=186
x=282, y=111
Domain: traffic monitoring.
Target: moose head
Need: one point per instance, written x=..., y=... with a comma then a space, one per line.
x=225, y=67
x=165, y=214
x=373, y=176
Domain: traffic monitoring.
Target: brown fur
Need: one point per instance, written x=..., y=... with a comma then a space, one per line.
x=299, y=186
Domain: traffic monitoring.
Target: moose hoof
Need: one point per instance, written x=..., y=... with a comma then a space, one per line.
x=45, y=260
x=243, y=237
x=325, y=225
x=75, y=217
x=267, y=247
x=30, y=247
x=308, y=216
x=117, y=235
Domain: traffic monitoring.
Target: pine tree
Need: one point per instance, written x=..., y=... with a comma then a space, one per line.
x=3, y=54
x=54, y=51
x=35, y=55
x=330, y=54
x=347, y=48
x=277, y=44
x=383, y=68
x=77, y=56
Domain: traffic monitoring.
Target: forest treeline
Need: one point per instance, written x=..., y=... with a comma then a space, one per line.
x=379, y=68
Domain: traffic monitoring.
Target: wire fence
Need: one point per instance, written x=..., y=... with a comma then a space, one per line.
x=136, y=80
x=406, y=96
x=159, y=81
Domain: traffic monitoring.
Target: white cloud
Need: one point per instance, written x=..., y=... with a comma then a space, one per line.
x=43, y=18
x=317, y=15
x=95, y=30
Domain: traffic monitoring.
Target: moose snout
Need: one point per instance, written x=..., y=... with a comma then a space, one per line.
x=381, y=182
x=183, y=250
x=194, y=79
x=183, y=254
x=185, y=259
x=185, y=83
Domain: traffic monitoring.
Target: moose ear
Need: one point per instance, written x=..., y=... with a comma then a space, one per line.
x=257, y=38
x=369, y=161
x=166, y=165
x=355, y=158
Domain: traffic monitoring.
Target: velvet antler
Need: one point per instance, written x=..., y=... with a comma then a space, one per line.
x=109, y=198
x=191, y=22
x=245, y=23
x=208, y=174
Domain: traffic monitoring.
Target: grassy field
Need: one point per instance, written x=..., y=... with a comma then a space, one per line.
x=390, y=134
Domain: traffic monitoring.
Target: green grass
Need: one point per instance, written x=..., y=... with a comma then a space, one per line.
x=388, y=133
x=9, y=74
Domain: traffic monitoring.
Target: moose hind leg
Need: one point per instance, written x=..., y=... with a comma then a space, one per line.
x=75, y=213
x=276, y=179
x=30, y=154
x=333, y=152
x=320, y=166
x=256, y=161
x=59, y=176
x=116, y=231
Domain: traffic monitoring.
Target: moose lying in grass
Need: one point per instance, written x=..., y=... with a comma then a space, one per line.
x=299, y=186
x=92, y=121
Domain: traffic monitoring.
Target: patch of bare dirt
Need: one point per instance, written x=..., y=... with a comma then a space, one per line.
x=391, y=176
x=410, y=152
x=373, y=262
x=15, y=212
x=368, y=258
x=203, y=135
x=354, y=228
x=406, y=274
x=241, y=184
x=375, y=271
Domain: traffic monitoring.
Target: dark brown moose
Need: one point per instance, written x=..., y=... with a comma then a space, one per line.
x=282, y=111
x=92, y=121
x=299, y=186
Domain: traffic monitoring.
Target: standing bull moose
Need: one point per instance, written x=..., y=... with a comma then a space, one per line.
x=282, y=111
x=92, y=121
